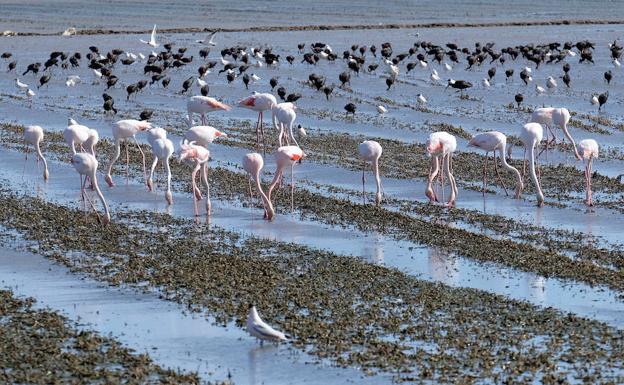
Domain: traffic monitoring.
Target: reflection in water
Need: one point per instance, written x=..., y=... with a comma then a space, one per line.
x=255, y=362
x=374, y=251
x=443, y=267
x=537, y=290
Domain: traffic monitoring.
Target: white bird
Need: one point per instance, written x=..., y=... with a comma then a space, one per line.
x=132, y=56
x=421, y=99
x=255, y=77
x=571, y=53
x=382, y=109
x=256, y=327
x=539, y=89
x=69, y=31
x=594, y=100
x=302, y=131
x=528, y=69
x=31, y=94
x=388, y=62
x=422, y=64
x=448, y=67
x=34, y=135
x=141, y=56
x=434, y=77
x=434, y=71
x=201, y=82
x=97, y=74
x=224, y=62
x=394, y=70
x=21, y=85
x=209, y=40
x=259, y=64
x=485, y=82
x=551, y=82
x=616, y=63
x=72, y=80
x=152, y=41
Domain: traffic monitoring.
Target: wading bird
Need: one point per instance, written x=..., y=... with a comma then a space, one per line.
x=86, y=165
x=370, y=151
x=34, y=135
x=126, y=129
x=286, y=156
x=589, y=151
x=441, y=144
x=162, y=149
x=253, y=164
x=199, y=156
x=256, y=327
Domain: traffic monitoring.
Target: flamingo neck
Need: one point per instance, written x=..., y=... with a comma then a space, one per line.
x=377, y=180
x=540, y=195
x=519, y=185
x=268, y=206
x=96, y=187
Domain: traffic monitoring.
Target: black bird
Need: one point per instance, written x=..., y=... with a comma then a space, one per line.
x=246, y=81
x=328, y=91
x=373, y=50
x=141, y=84
x=168, y=46
x=111, y=81
x=301, y=46
x=519, y=99
x=344, y=78
x=231, y=77
x=525, y=76
x=602, y=99
x=566, y=67
x=34, y=68
x=106, y=96
x=350, y=108
x=94, y=49
x=460, y=85
x=566, y=79
x=12, y=66
x=508, y=73
x=293, y=97
x=109, y=105
x=131, y=89
x=372, y=67
x=290, y=59
x=156, y=78
x=354, y=66
x=389, y=83
x=411, y=66
x=165, y=82
x=43, y=80
x=281, y=92
x=491, y=72
x=187, y=84
x=204, y=90
x=273, y=83
x=6, y=55
x=204, y=52
x=227, y=67
x=127, y=61
x=146, y=114
x=608, y=76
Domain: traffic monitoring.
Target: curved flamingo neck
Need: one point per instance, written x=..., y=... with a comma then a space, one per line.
x=540, y=195
x=268, y=206
x=96, y=187
x=377, y=179
x=519, y=185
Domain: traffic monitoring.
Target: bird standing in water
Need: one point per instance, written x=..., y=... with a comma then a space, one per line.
x=370, y=151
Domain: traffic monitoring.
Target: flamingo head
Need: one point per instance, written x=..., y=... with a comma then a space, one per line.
x=144, y=125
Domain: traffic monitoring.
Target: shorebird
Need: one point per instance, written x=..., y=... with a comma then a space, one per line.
x=34, y=135
x=202, y=105
x=381, y=109
x=209, y=40
x=531, y=135
x=370, y=151
x=152, y=41
x=441, y=144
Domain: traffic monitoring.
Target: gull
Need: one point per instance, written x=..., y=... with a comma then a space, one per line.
x=594, y=100
x=485, y=82
x=422, y=64
x=69, y=31
x=259, y=64
x=434, y=76
x=539, y=89
x=394, y=70
x=209, y=40
x=259, y=329
x=616, y=63
x=132, y=56
x=382, y=109
x=97, y=73
x=152, y=41
x=448, y=67
x=528, y=69
x=255, y=77
x=551, y=82
x=30, y=93
x=21, y=85
x=302, y=131
x=571, y=53
x=201, y=82
x=72, y=80
x=224, y=62
x=421, y=99
x=258, y=54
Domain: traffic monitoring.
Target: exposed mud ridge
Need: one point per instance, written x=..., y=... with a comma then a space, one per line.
x=338, y=27
x=43, y=347
x=354, y=313
x=592, y=265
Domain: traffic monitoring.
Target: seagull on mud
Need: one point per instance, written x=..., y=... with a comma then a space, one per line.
x=381, y=109
x=259, y=329
x=20, y=85
x=209, y=40
x=152, y=41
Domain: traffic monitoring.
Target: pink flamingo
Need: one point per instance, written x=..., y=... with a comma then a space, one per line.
x=286, y=156
x=441, y=144
x=86, y=165
x=284, y=116
x=253, y=163
x=126, y=129
x=555, y=117
x=492, y=141
x=531, y=135
x=77, y=134
x=202, y=105
x=34, y=135
x=200, y=156
x=370, y=151
x=162, y=148
x=589, y=150
x=260, y=103
x=203, y=135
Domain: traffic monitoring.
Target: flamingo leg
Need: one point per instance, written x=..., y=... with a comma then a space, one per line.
x=485, y=173
x=109, y=178
x=262, y=133
x=292, y=187
x=205, y=178
x=258, y=133
x=195, y=189
x=498, y=174
x=127, y=161
x=363, y=182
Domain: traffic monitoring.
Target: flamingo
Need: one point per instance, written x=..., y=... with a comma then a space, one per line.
x=492, y=141
x=86, y=165
x=202, y=105
x=34, y=135
x=199, y=155
x=260, y=103
x=253, y=163
x=370, y=151
x=203, y=135
x=152, y=41
x=555, y=117
x=286, y=156
x=441, y=144
x=531, y=135
x=259, y=329
x=125, y=129
x=284, y=115
x=589, y=150
x=162, y=148
x=77, y=134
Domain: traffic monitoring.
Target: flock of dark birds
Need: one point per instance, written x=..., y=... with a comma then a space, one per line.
x=236, y=62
